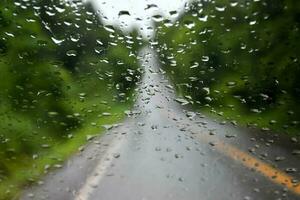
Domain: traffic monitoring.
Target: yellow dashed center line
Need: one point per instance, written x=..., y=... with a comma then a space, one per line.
x=273, y=174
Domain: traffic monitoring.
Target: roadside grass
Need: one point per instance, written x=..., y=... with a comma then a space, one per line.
x=275, y=117
x=28, y=171
x=281, y=117
x=246, y=119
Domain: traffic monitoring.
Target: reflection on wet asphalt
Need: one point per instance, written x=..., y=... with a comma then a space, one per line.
x=162, y=151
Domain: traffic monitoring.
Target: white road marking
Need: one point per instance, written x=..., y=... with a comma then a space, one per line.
x=99, y=171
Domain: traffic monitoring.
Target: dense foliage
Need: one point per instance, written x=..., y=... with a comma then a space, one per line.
x=239, y=59
x=60, y=70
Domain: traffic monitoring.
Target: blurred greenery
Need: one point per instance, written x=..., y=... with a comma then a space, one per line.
x=63, y=75
x=239, y=60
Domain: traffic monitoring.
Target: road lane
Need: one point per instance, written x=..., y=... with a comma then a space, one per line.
x=166, y=153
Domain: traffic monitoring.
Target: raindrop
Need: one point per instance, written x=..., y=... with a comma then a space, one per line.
x=109, y=28
x=189, y=24
x=205, y=58
x=157, y=18
x=124, y=12
x=57, y=41
x=220, y=8
x=173, y=13
x=71, y=53
x=117, y=155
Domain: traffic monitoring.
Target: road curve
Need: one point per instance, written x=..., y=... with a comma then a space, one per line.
x=162, y=151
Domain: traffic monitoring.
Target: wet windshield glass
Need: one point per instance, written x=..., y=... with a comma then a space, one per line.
x=181, y=99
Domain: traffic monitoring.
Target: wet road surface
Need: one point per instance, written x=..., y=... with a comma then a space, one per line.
x=163, y=151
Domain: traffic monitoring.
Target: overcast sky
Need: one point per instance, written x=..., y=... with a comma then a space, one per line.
x=109, y=10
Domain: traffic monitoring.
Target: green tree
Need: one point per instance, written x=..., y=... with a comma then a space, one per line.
x=239, y=57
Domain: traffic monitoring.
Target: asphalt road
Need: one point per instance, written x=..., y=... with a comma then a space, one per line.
x=163, y=151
